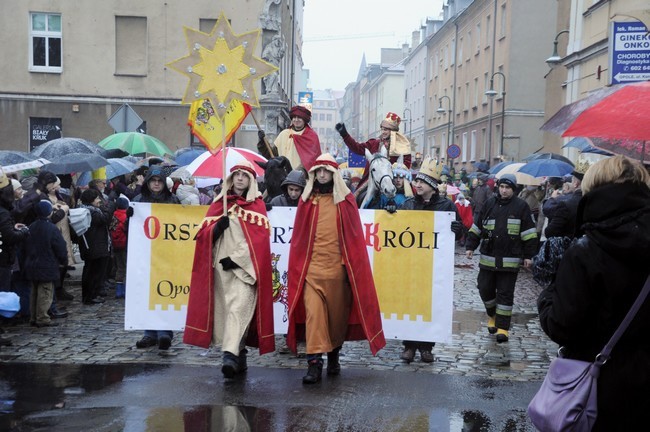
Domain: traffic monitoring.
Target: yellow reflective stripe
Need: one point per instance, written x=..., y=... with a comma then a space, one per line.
x=501, y=310
x=487, y=261
x=529, y=234
x=510, y=262
x=489, y=224
x=513, y=226
x=474, y=229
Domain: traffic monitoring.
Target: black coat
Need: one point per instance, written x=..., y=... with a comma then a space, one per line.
x=598, y=280
x=562, y=219
x=44, y=252
x=96, y=242
x=10, y=238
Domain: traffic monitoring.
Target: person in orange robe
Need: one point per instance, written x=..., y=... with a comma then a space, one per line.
x=231, y=293
x=331, y=291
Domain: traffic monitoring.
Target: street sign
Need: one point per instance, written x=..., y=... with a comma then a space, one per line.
x=453, y=151
x=629, y=48
x=125, y=119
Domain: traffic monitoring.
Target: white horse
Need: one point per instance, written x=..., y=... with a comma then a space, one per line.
x=380, y=178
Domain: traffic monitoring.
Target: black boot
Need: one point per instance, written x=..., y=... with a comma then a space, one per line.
x=230, y=366
x=314, y=372
x=242, y=360
x=333, y=365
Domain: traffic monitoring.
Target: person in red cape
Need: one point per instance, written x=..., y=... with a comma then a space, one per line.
x=231, y=295
x=390, y=137
x=331, y=291
x=299, y=143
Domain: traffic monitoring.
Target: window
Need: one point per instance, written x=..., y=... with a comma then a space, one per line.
x=329, y=117
x=504, y=21
x=452, y=60
x=446, y=57
x=488, y=20
x=478, y=37
x=464, y=151
x=486, y=86
x=483, y=143
x=46, y=43
x=475, y=101
x=472, y=147
x=321, y=117
x=469, y=45
x=460, y=51
x=131, y=45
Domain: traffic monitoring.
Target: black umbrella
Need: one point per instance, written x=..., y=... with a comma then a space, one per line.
x=113, y=153
x=536, y=156
x=57, y=148
x=12, y=157
x=76, y=162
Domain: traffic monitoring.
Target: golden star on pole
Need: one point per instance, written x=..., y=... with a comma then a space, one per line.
x=221, y=66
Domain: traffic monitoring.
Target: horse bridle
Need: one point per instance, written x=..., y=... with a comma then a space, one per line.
x=378, y=183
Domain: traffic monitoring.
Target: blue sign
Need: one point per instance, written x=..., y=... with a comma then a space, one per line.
x=356, y=161
x=306, y=99
x=629, y=47
x=453, y=151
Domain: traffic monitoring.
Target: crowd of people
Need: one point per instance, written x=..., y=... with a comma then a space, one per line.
x=601, y=213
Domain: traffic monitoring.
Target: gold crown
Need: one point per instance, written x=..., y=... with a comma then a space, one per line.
x=581, y=166
x=432, y=168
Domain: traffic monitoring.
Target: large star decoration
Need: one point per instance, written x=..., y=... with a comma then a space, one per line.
x=221, y=66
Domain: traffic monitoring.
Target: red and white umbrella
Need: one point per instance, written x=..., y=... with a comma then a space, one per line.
x=211, y=166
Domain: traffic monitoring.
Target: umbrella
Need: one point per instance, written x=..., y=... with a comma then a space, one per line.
x=135, y=143
x=585, y=145
x=75, y=162
x=546, y=168
x=188, y=156
x=555, y=156
x=181, y=173
x=36, y=163
x=208, y=165
x=59, y=147
x=157, y=161
x=11, y=157
x=509, y=169
x=634, y=149
x=115, y=168
x=113, y=153
x=498, y=167
x=481, y=166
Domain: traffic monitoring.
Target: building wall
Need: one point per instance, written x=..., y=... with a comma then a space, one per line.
x=98, y=81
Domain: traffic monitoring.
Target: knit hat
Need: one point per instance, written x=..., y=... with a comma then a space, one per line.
x=391, y=121
x=16, y=184
x=295, y=178
x=43, y=209
x=300, y=111
x=122, y=203
x=508, y=179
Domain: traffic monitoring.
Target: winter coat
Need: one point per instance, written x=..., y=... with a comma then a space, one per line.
x=25, y=209
x=506, y=232
x=597, y=282
x=562, y=223
x=284, y=201
x=479, y=196
x=96, y=242
x=187, y=194
x=10, y=238
x=44, y=252
x=119, y=229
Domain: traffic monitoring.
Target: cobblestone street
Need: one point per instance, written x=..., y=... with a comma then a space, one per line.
x=94, y=334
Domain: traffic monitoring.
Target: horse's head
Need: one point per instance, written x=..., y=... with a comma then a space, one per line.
x=381, y=174
x=275, y=170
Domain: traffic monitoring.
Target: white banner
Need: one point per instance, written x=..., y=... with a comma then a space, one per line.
x=411, y=253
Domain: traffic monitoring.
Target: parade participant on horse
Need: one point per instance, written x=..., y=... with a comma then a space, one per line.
x=380, y=186
x=395, y=143
x=299, y=143
x=332, y=295
x=231, y=296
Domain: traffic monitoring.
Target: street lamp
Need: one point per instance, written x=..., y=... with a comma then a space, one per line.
x=491, y=93
x=441, y=110
x=555, y=58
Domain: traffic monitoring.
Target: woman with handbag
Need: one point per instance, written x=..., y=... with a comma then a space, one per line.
x=598, y=281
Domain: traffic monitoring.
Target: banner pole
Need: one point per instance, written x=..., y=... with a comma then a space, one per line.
x=268, y=146
x=224, y=154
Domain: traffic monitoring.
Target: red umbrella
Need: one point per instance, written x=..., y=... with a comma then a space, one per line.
x=208, y=165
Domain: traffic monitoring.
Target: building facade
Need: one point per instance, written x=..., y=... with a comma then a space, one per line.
x=73, y=64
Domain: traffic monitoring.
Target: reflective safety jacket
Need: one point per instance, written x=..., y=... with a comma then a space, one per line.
x=506, y=232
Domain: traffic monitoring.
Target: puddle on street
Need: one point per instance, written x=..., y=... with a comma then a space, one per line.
x=474, y=321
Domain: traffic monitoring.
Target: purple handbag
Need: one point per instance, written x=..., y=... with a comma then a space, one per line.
x=567, y=399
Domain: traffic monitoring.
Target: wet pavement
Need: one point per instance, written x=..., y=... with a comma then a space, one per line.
x=474, y=384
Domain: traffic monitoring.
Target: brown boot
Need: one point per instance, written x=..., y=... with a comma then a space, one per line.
x=408, y=355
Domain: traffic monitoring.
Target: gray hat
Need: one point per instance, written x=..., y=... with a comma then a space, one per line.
x=296, y=178
x=508, y=179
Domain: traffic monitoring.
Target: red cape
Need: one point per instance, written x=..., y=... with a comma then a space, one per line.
x=307, y=146
x=199, y=324
x=364, y=322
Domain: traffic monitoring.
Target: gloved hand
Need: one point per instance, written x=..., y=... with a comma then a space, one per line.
x=456, y=227
x=391, y=207
x=340, y=128
x=220, y=227
x=228, y=264
x=268, y=206
x=261, y=134
x=24, y=230
x=129, y=212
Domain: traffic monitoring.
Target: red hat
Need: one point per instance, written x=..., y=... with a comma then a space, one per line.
x=391, y=121
x=300, y=111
